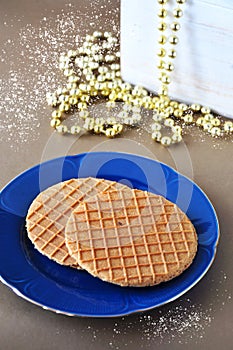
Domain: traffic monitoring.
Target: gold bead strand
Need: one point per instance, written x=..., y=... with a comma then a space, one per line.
x=178, y=108
x=97, y=62
x=162, y=106
x=162, y=26
x=175, y=26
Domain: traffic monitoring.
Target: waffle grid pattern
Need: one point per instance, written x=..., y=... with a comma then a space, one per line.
x=50, y=211
x=131, y=237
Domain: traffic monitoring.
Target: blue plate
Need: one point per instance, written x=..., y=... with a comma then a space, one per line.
x=65, y=290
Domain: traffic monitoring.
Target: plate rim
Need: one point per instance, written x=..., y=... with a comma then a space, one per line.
x=135, y=309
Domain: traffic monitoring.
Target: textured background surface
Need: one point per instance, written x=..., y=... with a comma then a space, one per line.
x=33, y=33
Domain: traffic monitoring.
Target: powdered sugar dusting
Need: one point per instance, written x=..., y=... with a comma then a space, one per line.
x=183, y=322
x=31, y=67
x=180, y=324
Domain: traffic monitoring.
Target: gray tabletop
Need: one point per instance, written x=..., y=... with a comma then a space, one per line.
x=33, y=33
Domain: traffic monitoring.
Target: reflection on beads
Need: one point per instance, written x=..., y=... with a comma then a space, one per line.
x=55, y=122
x=215, y=131
x=156, y=127
x=75, y=129
x=62, y=129
x=169, y=122
x=166, y=141
x=110, y=132
x=188, y=119
x=156, y=135
x=228, y=127
x=176, y=138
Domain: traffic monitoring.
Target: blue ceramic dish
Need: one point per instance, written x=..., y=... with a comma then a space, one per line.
x=66, y=290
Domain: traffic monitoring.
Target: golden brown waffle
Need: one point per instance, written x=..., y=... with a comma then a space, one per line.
x=131, y=238
x=50, y=210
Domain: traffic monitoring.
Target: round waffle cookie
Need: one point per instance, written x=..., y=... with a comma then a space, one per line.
x=131, y=238
x=51, y=209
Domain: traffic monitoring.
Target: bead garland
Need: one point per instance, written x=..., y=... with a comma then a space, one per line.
x=93, y=72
